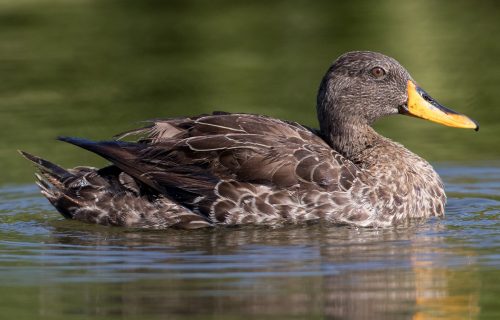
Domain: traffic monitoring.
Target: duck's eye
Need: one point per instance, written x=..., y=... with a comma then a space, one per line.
x=378, y=72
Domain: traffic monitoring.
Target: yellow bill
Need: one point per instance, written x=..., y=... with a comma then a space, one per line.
x=423, y=106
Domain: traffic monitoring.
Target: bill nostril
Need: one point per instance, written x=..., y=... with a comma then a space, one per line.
x=424, y=95
x=427, y=97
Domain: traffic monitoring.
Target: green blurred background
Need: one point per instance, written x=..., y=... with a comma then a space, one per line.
x=95, y=68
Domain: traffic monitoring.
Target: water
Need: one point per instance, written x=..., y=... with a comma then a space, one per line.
x=95, y=68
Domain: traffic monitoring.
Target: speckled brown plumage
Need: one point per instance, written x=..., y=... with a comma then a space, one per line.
x=234, y=169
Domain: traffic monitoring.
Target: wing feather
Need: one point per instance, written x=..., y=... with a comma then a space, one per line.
x=192, y=160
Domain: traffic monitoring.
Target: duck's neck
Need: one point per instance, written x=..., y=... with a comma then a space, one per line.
x=343, y=131
x=350, y=138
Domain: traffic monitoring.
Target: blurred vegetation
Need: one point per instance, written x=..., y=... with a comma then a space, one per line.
x=95, y=68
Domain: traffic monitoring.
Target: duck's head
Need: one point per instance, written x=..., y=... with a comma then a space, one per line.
x=362, y=86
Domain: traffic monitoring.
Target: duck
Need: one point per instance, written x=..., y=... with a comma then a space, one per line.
x=234, y=169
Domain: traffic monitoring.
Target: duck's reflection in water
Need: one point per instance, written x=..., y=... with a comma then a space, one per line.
x=289, y=272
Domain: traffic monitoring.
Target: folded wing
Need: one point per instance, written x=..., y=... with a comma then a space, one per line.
x=203, y=161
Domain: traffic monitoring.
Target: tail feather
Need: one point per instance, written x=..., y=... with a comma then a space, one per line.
x=122, y=154
x=106, y=196
x=182, y=183
x=45, y=187
x=51, y=180
x=47, y=167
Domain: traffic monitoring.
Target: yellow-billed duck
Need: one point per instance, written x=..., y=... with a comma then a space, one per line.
x=237, y=169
